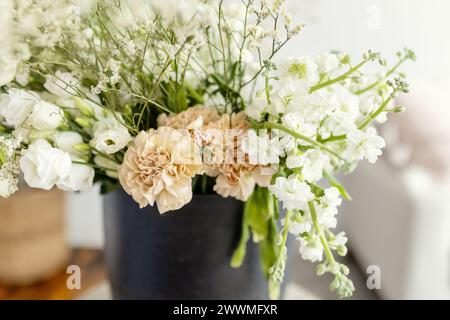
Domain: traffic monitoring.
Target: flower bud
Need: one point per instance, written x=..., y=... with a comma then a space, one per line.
x=83, y=122
x=83, y=107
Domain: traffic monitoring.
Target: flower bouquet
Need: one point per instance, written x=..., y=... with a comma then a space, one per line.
x=168, y=98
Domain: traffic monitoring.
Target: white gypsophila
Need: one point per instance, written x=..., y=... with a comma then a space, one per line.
x=80, y=178
x=67, y=140
x=110, y=135
x=16, y=106
x=9, y=178
x=293, y=193
x=326, y=62
x=312, y=162
x=8, y=67
x=62, y=84
x=310, y=248
x=364, y=145
x=262, y=149
x=45, y=116
x=44, y=166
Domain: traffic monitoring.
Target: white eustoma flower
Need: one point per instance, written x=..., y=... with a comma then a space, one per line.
x=62, y=84
x=44, y=166
x=327, y=62
x=364, y=145
x=293, y=193
x=66, y=140
x=262, y=150
x=45, y=116
x=80, y=178
x=110, y=135
x=16, y=106
x=311, y=249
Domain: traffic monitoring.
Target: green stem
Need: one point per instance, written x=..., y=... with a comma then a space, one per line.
x=324, y=241
x=272, y=125
x=376, y=83
x=338, y=79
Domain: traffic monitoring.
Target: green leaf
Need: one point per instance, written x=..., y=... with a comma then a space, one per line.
x=268, y=249
x=108, y=186
x=260, y=209
x=240, y=251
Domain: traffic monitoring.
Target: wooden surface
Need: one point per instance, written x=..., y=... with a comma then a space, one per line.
x=92, y=273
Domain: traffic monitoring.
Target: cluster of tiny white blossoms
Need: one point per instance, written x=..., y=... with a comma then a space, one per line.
x=86, y=85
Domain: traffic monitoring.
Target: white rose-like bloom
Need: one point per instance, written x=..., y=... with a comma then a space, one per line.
x=80, y=178
x=45, y=116
x=294, y=193
x=44, y=166
x=16, y=106
x=62, y=84
x=66, y=140
x=110, y=135
x=311, y=249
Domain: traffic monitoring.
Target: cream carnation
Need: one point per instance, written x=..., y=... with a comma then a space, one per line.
x=159, y=166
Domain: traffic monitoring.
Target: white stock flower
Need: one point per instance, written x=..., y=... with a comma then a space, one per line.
x=44, y=166
x=110, y=135
x=16, y=106
x=311, y=249
x=327, y=210
x=62, y=84
x=80, y=178
x=294, y=193
x=297, y=122
x=262, y=149
x=45, y=116
x=326, y=62
x=364, y=145
x=313, y=162
x=303, y=68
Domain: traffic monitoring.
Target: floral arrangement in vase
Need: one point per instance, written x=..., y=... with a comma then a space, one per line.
x=169, y=98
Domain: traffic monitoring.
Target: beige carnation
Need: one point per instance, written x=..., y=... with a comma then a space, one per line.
x=191, y=118
x=159, y=166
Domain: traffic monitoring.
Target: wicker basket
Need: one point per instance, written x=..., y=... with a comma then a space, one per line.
x=33, y=245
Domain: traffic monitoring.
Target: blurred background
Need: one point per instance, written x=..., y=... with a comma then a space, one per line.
x=399, y=221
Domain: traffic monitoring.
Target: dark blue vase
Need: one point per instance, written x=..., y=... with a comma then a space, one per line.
x=183, y=254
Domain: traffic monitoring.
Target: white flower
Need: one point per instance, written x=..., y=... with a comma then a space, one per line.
x=262, y=149
x=364, y=145
x=8, y=67
x=110, y=135
x=45, y=116
x=297, y=122
x=66, y=140
x=294, y=193
x=313, y=162
x=80, y=178
x=44, y=166
x=62, y=84
x=9, y=178
x=311, y=249
x=326, y=62
x=303, y=68
x=16, y=106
